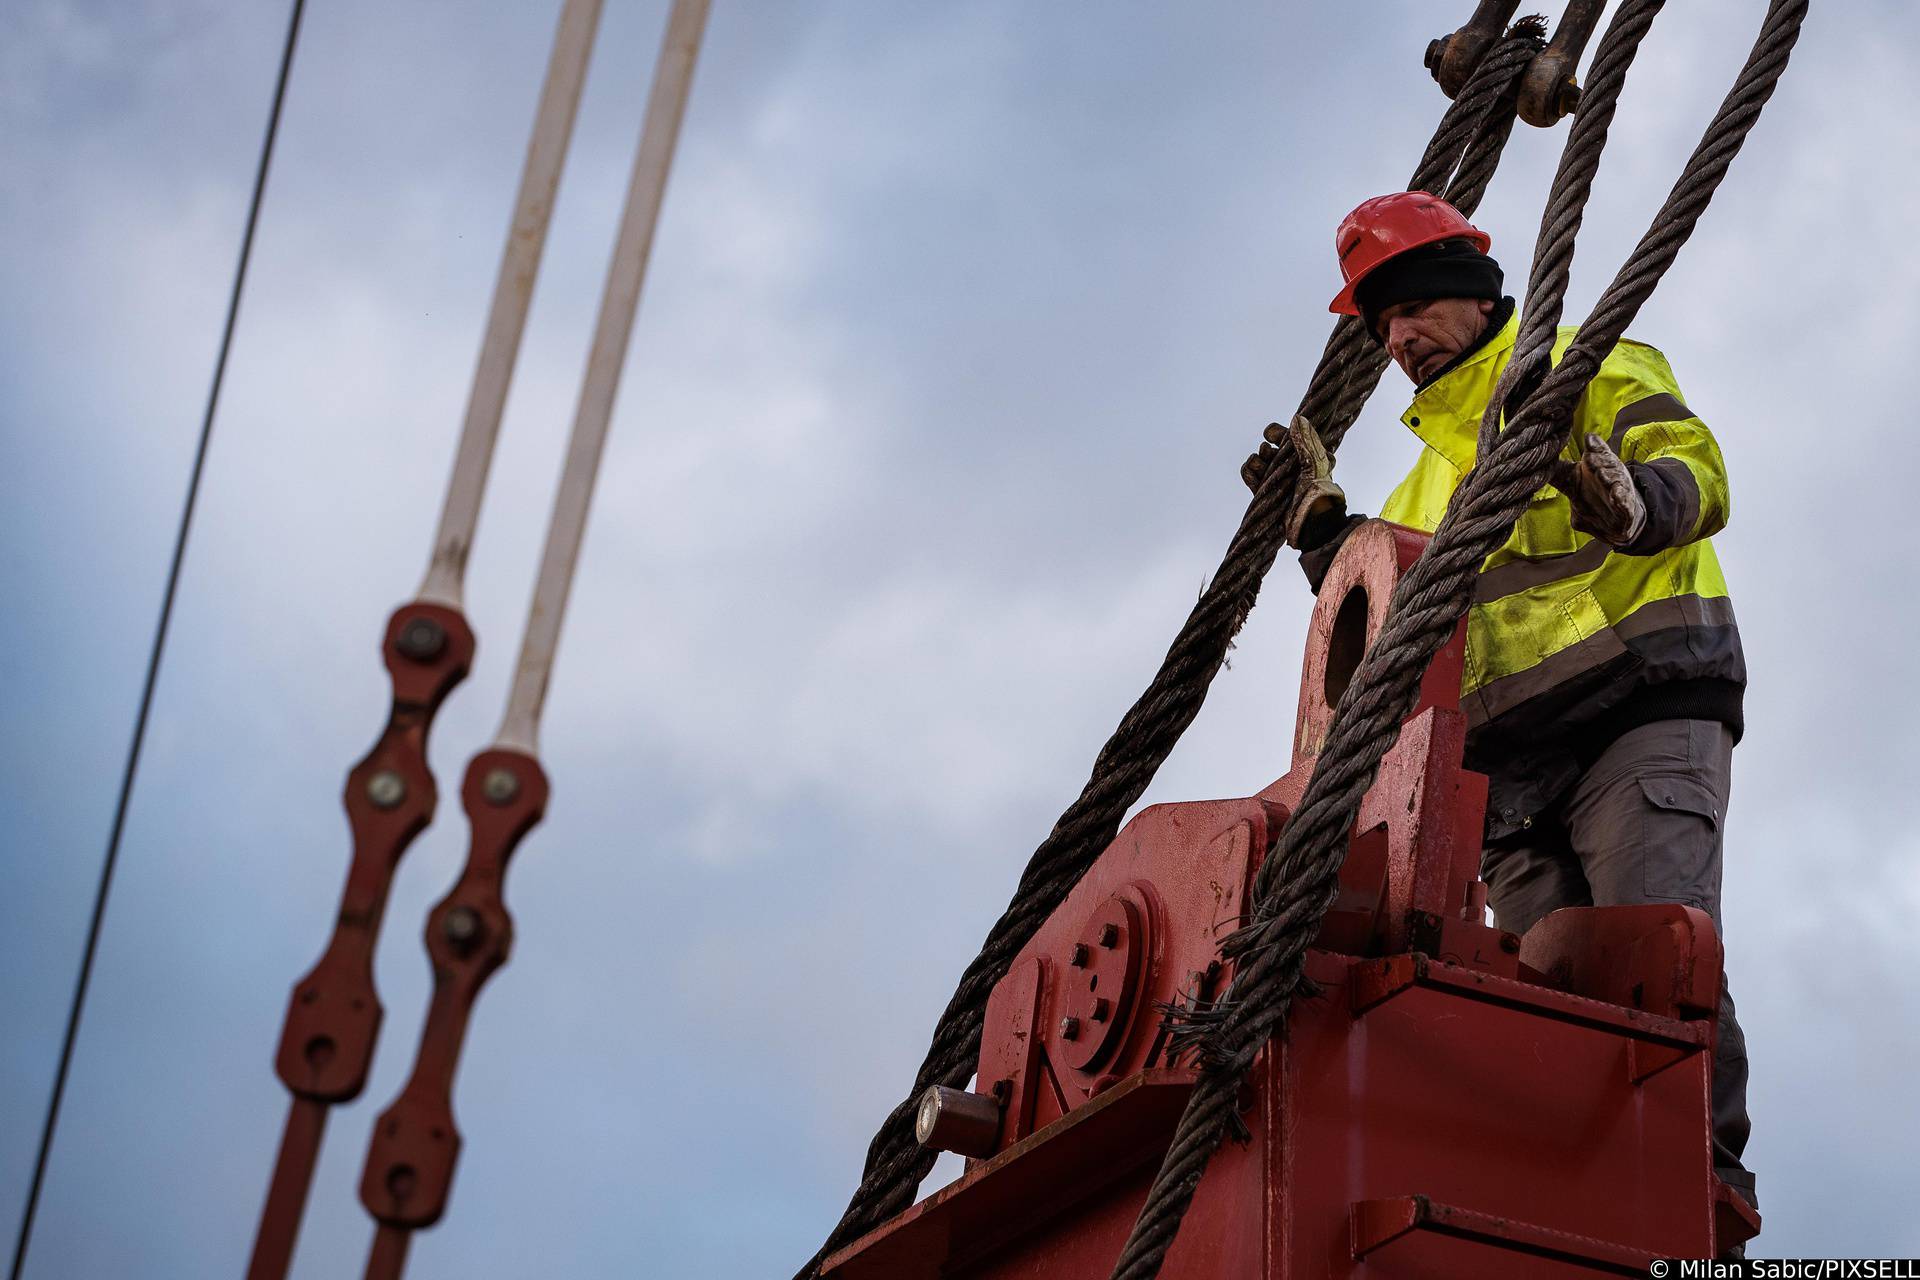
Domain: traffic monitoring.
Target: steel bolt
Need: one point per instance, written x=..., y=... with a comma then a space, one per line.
x=1509, y=943
x=500, y=786
x=1569, y=98
x=422, y=639
x=462, y=927
x=1436, y=50
x=1109, y=935
x=926, y=1116
x=1078, y=956
x=1069, y=1028
x=1101, y=1008
x=386, y=789
x=956, y=1120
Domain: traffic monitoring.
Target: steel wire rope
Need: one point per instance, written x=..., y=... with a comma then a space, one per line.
x=156, y=651
x=1459, y=162
x=1296, y=883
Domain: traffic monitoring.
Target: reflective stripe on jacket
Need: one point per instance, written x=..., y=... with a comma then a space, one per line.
x=1564, y=630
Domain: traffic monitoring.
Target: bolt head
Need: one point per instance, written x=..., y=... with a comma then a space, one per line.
x=422, y=639
x=500, y=786
x=1109, y=935
x=1078, y=956
x=1069, y=1028
x=1101, y=1008
x=386, y=789
x=462, y=927
x=927, y=1117
x=1436, y=50
x=1569, y=98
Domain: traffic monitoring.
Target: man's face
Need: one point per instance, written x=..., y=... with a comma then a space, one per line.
x=1423, y=336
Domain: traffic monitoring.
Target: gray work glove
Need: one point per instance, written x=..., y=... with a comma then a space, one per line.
x=1319, y=505
x=1606, y=503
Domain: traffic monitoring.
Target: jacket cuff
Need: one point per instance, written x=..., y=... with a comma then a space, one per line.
x=1673, y=505
x=1316, y=562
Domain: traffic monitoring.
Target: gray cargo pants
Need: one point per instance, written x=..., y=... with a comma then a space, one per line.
x=1643, y=824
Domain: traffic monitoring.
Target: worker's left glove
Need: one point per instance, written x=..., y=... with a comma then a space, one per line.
x=1606, y=503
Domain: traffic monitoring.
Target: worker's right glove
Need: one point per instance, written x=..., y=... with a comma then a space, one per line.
x=1600, y=489
x=1319, y=505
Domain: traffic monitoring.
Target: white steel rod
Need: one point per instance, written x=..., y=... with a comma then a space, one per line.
x=512, y=292
x=520, y=728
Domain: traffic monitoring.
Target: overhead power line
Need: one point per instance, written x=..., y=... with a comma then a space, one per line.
x=128, y=775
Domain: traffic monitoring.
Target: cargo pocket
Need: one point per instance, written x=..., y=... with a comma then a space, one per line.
x=1681, y=841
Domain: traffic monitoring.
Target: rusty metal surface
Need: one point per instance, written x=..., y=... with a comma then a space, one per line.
x=1452, y=58
x=1169, y=887
x=1525, y=1111
x=1028, y=1184
x=1521, y=1118
x=326, y=1046
x=958, y=1121
x=415, y=1143
x=287, y=1192
x=1057, y=1205
x=1112, y=949
x=1734, y=1220
x=1417, y=837
x=1511, y=1247
x=1661, y=957
x=1349, y=612
x=1498, y=1106
x=1416, y=848
x=333, y=1016
x=1550, y=89
x=387, y=1260
x=1375, y=982
x=1013, y=1028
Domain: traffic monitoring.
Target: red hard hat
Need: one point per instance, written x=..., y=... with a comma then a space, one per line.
x=1386, y=226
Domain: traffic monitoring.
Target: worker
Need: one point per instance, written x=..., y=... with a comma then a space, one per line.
x=1603, y=674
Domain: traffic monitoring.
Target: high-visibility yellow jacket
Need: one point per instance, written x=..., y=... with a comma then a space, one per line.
x=1571, y=642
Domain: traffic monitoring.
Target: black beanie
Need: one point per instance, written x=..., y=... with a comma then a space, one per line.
x=1447, y=269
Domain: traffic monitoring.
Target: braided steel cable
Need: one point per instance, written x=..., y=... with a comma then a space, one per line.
x=1459, y=162
x=1296, y=884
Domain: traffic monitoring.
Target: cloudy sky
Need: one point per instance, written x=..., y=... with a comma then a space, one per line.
x=960, y=321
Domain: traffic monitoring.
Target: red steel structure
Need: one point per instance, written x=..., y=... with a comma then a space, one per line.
x=1455, y=1101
